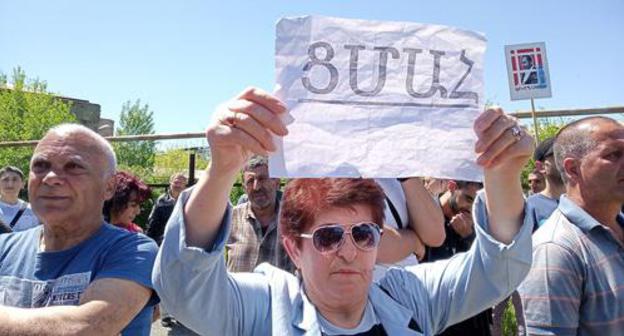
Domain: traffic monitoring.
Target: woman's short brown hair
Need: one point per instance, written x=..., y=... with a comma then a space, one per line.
x=305, y=198
x=126, y=186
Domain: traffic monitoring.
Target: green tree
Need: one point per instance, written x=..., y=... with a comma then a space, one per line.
x=27, y=111
x=547, y=128
x=171, y=161
x=136, y=119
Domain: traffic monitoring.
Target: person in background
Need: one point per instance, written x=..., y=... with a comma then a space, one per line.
x=157, y=221
x=541, y=205
x=254, y=238
x=163, y=207
x=413, y=220
x=456, y=204
x=536, y=182
x=14, y=212
x=121, y=209
x=577, y=278
x=243, y=198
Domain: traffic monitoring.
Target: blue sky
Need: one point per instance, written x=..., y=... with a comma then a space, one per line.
x=185, y=57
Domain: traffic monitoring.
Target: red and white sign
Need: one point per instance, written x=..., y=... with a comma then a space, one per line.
x=527, y=70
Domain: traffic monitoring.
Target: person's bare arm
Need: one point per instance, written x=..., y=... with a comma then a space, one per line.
x=242, y=127
x=425, y=215
x=502, y=156
x=106, y=308
x=398, y=244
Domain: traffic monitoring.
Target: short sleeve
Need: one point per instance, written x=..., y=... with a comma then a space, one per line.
x=551, y=293
x=130, y=258
x=27, y=221
x=531, y=216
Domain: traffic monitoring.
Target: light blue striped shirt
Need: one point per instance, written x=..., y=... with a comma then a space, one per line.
x=576, y=284
x=195, y=287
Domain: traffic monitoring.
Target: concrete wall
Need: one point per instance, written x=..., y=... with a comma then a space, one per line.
x=88, y=114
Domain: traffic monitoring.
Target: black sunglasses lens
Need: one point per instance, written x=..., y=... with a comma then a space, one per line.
x=328, y=238
x=365, y=236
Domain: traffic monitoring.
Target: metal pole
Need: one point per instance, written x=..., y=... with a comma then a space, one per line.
x=191, y=179
x=139, y=137
x=534, y=120
x=569, y=112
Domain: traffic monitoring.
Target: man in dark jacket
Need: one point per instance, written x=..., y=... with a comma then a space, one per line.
x=158, y=218
x=456, y=205
x=164, y=207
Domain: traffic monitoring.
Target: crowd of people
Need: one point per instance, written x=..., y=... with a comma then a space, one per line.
x=328, y=256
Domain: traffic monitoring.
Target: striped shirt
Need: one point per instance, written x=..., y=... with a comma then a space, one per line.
x=576, y=283
x=248, y=245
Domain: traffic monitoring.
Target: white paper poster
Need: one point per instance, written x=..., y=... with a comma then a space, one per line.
x=377, y=99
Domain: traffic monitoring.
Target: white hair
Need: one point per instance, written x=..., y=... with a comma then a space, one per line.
x=105, y=146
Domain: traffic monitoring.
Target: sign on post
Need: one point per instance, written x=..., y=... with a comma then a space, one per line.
x=527, y=71
x=377, y=99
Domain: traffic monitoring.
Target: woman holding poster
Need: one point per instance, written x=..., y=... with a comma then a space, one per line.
x=331, y=230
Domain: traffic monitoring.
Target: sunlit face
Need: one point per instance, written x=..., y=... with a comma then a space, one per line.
x=260, y=188
x=338, y=278
x=10, y=185
x=178, y=183
x=126, y=216
x=602, y=169
x=68, y=181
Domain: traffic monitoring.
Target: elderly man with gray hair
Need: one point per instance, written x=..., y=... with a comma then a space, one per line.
x=163, y=207
x=75, y=274
x=254, y=238
x=576, y=283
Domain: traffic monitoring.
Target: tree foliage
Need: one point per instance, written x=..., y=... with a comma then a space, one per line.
x=547, y=128
x=171, y=161
x=27, y=111
x=136, y=119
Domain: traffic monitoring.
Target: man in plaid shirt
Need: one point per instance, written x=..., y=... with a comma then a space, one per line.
x=254, y=238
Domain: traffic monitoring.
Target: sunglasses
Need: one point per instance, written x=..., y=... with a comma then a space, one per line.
x=329, y=238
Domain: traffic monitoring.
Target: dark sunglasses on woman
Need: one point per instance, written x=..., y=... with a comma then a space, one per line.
x=330, y=237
